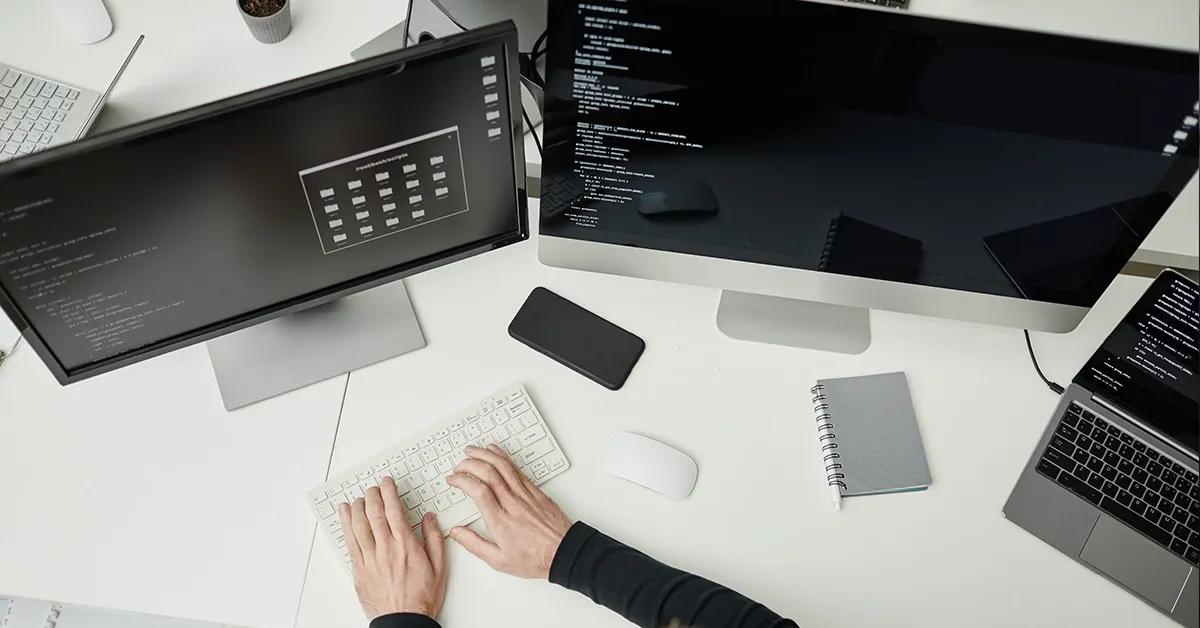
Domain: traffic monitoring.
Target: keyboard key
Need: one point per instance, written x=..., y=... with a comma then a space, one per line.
x=62, y=91
x=1153, y=483
x=1082, y=473
x=10, y=78
x=1152, y=515
x=1127, y=439
x=1138, y=506
x=1110, y=489
x=1154, y=468
x=22, y=86
x=536, y=433
x=1183, y=485
x=1192, y=477
x=1123, y=481
x=1112, y=459
x=1140, y=475
x=325, y=509
x=1060, y=459
x=1124, y=498
x=1166, y=522
x=1071, y=419
x=1139, y=446
x=1177, y=468
x=1097, y=449
x=48, y=90
x=1096, y=481
x=1192, y=555
x=1109, y=473
x=1061, y=444
x=1084, y=441
x=1047, y=469
x=1125, y=466
x=1111, y=441
x=1179, y=547
x=1168, y=492
x=1138, y=489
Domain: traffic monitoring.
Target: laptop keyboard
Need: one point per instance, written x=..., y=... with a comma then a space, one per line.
x=31, y=111
x=1127, y=479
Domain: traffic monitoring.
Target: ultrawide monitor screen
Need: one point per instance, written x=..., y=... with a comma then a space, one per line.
x=863, y=142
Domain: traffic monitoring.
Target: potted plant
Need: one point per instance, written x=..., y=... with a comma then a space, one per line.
x=269, y=21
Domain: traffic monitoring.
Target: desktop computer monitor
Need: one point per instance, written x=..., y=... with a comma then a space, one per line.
x=814, y=160
x=181, y=229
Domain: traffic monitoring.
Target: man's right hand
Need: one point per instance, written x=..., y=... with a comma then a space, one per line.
x=526, y=526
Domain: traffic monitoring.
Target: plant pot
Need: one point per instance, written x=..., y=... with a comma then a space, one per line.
x=272, y=28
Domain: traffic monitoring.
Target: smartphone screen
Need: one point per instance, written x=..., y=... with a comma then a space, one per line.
x=577, y=338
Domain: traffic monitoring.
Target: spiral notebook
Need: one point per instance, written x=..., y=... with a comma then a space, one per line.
x=867, y=432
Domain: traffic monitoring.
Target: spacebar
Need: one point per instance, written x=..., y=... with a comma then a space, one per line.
x=1126, y=515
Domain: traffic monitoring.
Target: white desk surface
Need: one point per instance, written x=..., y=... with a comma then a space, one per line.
x=86, y=471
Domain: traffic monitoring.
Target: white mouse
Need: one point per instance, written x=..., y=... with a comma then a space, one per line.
x=85, y=20
x=649, y=463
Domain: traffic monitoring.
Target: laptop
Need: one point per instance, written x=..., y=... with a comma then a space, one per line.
x=1113, y=480
x=38, y=112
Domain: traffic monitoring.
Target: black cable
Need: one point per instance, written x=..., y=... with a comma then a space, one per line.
x=536, y=53
x=541, y=38
x=1053, y=386
x=532, y=131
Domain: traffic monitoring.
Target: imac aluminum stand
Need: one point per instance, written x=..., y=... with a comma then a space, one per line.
x=794, y=323
x=313, y=345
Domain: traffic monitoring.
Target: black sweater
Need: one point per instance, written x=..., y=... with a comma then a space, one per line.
x=643, y=590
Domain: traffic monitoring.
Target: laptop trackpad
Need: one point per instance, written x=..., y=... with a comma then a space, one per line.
x=1135, y=561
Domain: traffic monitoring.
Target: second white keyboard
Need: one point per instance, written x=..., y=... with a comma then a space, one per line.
x=419, y=466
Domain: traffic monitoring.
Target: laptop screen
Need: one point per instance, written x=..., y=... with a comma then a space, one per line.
x=1149, y=363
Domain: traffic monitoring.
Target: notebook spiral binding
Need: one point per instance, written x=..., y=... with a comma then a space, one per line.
x=827, y=438
x=54, y=615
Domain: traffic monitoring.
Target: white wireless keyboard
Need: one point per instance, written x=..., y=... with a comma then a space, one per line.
x=420, y=465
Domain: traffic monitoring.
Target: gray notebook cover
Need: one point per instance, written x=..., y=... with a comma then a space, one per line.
x=878, y=443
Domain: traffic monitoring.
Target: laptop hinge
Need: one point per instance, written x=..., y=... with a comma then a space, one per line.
x=1141, y=424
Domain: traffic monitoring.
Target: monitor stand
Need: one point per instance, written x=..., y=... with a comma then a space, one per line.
x=794, y=323
x=313, y=345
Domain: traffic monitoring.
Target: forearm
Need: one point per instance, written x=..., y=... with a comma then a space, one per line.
x=647, y=592
x=404, y=620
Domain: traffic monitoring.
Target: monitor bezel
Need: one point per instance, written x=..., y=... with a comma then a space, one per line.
x=504, y=34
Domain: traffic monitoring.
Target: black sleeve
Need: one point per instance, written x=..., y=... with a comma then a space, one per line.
x=404, y=620
x=647, y=592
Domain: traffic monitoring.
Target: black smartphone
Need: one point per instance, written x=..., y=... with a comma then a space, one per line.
x=577, y=338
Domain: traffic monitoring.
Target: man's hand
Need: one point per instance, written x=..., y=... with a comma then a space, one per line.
x=526, y=526
x=394, y=572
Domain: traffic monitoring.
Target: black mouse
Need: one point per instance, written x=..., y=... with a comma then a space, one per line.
x=680, y=197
